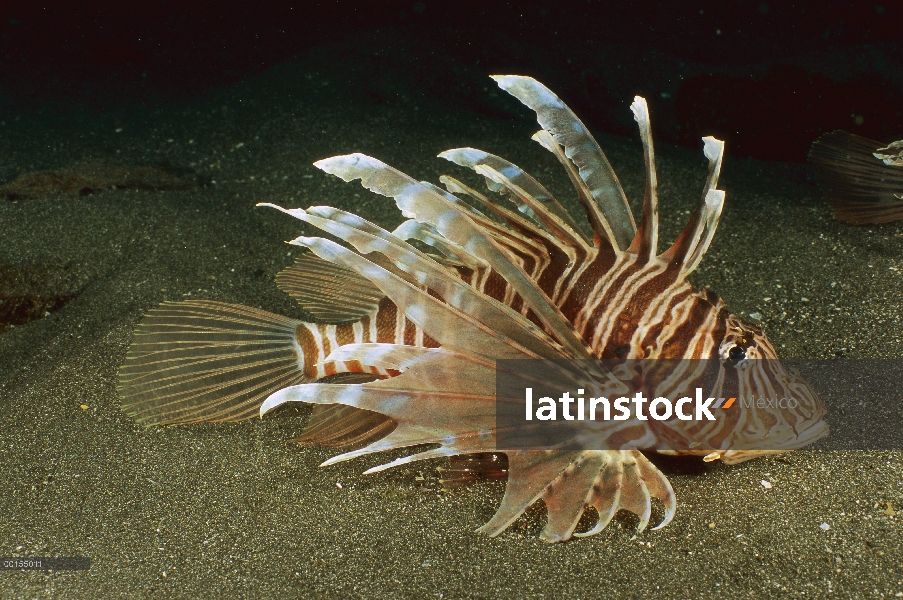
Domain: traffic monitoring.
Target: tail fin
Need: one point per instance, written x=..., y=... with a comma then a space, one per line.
x=208, y=361
x=204, y=361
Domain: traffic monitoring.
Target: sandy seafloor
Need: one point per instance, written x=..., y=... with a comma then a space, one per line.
x=237, y=511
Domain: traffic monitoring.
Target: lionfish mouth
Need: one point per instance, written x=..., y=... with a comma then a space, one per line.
x=810, y=435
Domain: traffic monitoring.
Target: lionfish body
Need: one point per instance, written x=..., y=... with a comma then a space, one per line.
x=417, y=334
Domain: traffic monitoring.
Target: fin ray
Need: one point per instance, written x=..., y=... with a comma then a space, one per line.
x=345, y=427
x=645, y=243
x=328, y=292
x=201, y=360
x=514, y=180
x=417, y=201
x=593, y=167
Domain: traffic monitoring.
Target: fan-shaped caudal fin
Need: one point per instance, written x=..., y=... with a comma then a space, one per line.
x=422, y=203
x=862, y=182
x=207, y=361
x=696, y=236
x=580, y=147
x=645, y=244
x=569, y=481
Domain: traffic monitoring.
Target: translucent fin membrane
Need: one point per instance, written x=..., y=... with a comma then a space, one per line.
x=328, y=292
x=602, y=230
x=646, y=242
x=345, y=427
x=207, y=361
x=690, y=246
x=417, y=201
x=568, y=481
x=446, y=396
x=523, y=189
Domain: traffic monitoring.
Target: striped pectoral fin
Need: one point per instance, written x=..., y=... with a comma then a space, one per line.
x=530, y=472
x=207, y=361
x=629, y=481
x=327, y=291
x=569, y=481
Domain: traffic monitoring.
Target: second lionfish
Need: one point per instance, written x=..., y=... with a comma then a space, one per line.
x=862, y=179
x=416, y=335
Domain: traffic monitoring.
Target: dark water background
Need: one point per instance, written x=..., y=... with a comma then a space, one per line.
x=766, y=77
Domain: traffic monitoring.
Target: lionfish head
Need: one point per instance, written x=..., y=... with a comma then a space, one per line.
x=776, y=409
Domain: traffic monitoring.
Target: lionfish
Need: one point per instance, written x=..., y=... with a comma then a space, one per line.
x=862, y=179
x=408, y=339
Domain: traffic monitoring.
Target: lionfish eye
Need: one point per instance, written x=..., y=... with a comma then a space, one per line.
x=736, y=354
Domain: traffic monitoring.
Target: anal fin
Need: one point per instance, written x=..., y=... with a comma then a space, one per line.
x=344, y=427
